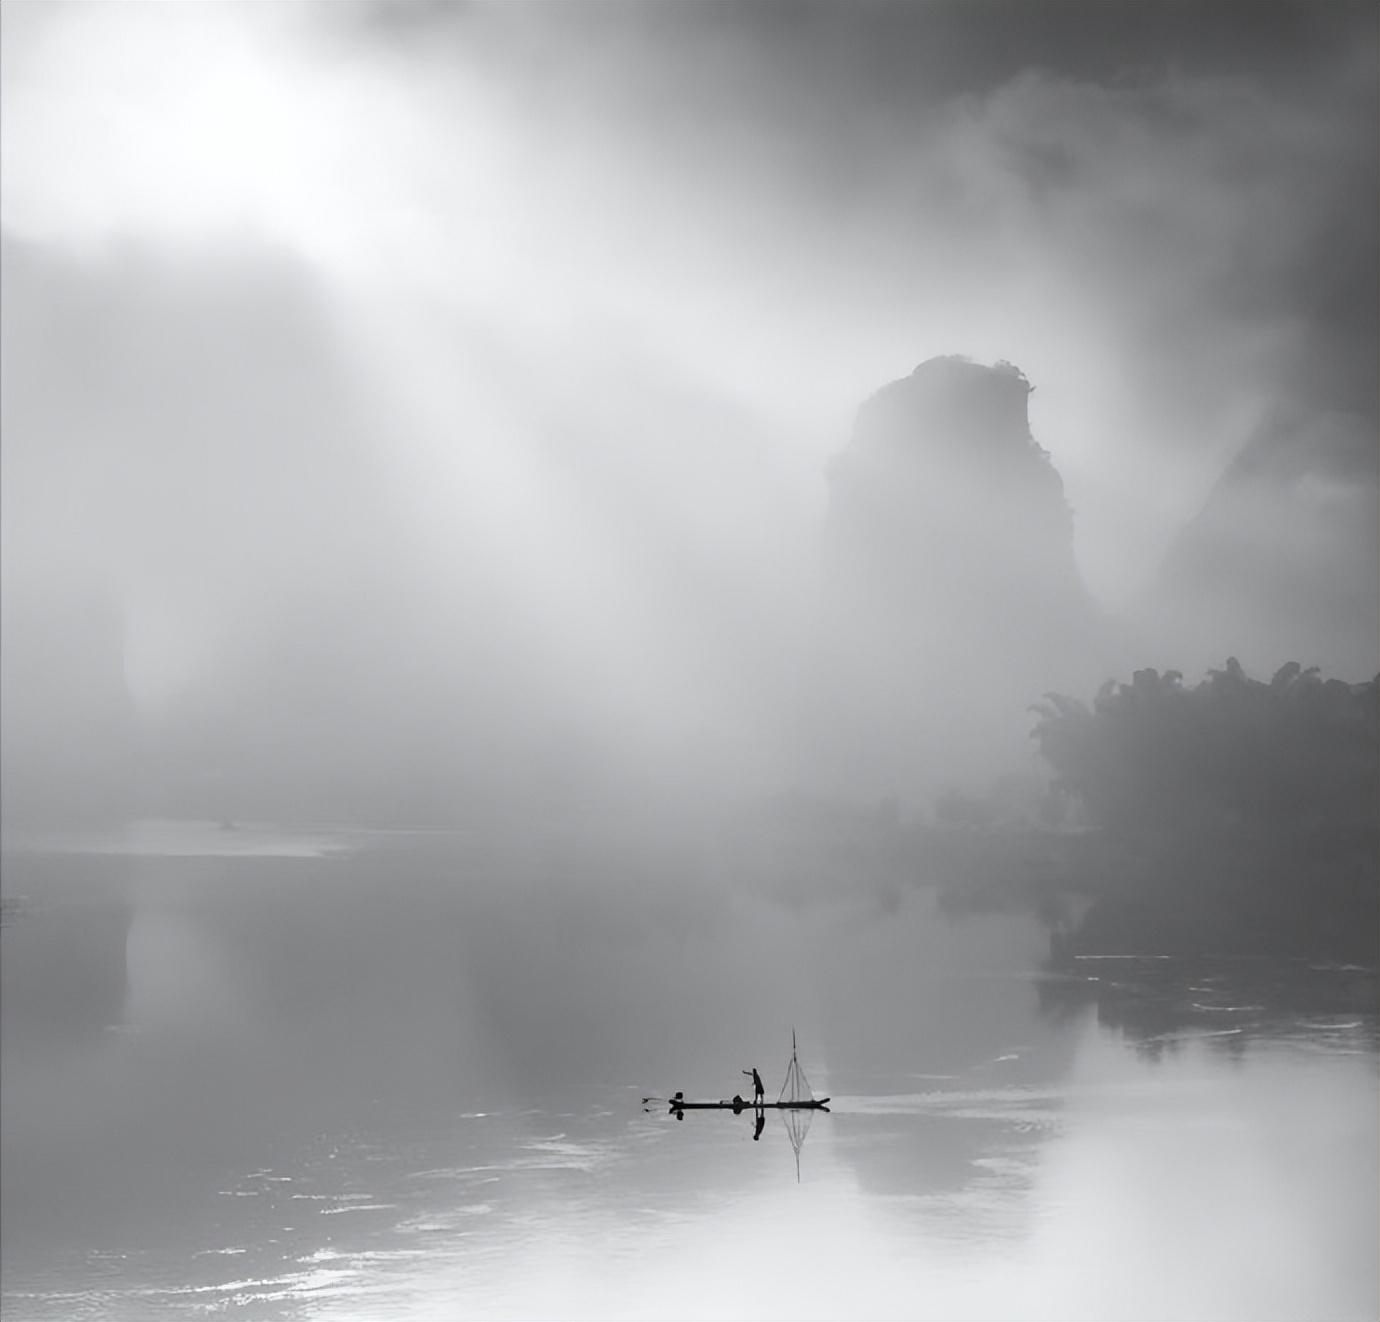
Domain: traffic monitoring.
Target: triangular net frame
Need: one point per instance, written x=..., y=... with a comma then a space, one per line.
x=796, y=1089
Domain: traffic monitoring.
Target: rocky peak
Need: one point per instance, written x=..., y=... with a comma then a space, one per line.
x=942, y=463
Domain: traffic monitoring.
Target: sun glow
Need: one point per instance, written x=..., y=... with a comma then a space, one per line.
x=186, y=123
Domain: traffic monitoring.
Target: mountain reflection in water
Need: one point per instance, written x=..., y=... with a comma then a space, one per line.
x=406, y=1082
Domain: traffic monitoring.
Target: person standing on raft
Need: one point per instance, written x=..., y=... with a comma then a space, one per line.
x=758, y=1092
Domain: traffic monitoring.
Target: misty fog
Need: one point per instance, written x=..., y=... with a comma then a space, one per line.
x=546, y=548
x=405, y=407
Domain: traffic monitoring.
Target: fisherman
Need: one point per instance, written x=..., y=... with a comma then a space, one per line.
x=758, y=1092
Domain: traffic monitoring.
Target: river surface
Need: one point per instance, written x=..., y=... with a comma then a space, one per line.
x=268, y=1074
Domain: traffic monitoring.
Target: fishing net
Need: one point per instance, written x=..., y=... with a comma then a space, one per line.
x=796, y=1089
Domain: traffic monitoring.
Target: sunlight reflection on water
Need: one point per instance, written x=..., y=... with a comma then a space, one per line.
x=296, y=1159
x=1201, y=1187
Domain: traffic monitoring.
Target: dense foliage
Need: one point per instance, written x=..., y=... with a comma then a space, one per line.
x=1230, y=755
x=1234, y=815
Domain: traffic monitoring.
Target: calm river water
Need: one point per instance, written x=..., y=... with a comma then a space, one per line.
x=255, y=1074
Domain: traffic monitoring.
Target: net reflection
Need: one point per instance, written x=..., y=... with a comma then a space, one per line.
x=796, y=1103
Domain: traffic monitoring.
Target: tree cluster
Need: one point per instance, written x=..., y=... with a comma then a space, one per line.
x=1231, y=755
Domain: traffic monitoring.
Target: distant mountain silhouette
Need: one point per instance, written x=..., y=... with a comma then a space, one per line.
x=944, y=488
x=950, y=566
x=1283, y=560
x=68, y=739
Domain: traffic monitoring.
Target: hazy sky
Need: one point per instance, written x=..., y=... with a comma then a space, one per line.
x=1158, y=211
x=557, y=312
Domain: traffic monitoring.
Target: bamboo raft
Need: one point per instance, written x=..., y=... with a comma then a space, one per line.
x=739, y=1104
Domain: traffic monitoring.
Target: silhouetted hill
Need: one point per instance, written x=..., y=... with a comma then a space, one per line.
x=205, y=610
x=943, y=497
x=954, y=597
x=68, y=737
x=1284, y=558
x=67, y=726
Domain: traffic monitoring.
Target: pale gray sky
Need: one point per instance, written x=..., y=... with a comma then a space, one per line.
x=536, y=325
x=1158, y=212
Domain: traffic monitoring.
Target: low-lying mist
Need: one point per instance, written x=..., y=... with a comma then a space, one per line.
x=248, y=573
x=401, y=431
